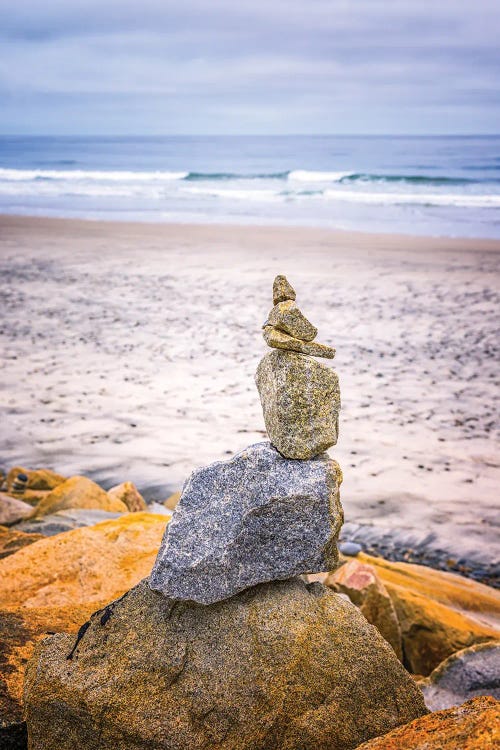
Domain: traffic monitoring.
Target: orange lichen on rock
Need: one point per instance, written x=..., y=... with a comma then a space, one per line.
x=475, y=725
x=128, y=493
x=78, y=492
x=439, y=613
x=12, y=541
x=89, y=564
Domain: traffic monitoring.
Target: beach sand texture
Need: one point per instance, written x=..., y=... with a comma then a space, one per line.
x=129, y=352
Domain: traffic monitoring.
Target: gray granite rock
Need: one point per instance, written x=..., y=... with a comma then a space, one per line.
x=286, y=316
x=257, y=517
x=467, y=674
x=301, y=402
x=282, y=290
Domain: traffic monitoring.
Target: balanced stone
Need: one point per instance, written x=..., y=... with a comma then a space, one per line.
x=301, y=402
x=284, y=665
x=286, y=316
x=280, y=340
x=257, y=517
x=282, y=290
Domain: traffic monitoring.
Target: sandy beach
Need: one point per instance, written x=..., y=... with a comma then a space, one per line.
x=129, y=352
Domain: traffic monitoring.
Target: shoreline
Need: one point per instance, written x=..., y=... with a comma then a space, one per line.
x=459, y=242
x=130, y=351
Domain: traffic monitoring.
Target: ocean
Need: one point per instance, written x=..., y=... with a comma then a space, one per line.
x=440, y=186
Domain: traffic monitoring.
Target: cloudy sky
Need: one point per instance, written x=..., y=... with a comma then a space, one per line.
x=249, y=66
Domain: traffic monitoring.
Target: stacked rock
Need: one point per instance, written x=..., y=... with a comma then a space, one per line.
x=300, y=397
x=263, y=516
x=272, y=663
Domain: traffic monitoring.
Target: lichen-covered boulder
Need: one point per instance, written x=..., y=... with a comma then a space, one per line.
x=12, y=541
x=473, y=726
x=38, y=479
x=365, y=589
x=301, y=402
x=257, y=517
x=129, y=495
x=78, y=492
x=91, y=564
x=279, y=666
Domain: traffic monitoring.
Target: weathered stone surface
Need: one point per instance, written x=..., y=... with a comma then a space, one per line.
x=13, y=510
x=473, y=726
x=78, y=492
x=282, y=290
x=66, y=520
x=281, y=340
x=129, y=495
x=91, y=564
x=19, y=632
x=38, y=479
x=365, y=589
x=439, y=613
x=467, y=674
x=301, y=402
x=286, y=316
x=171, y=502
x=257, y=517
x=278, y=667
x=12, y=540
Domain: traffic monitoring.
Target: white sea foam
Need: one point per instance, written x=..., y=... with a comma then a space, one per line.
x=303, y=175
x=423, y=199
x=238, y=194
x=26, y=175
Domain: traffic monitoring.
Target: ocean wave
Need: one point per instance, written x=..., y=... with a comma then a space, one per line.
x=28, y=175
x=304, y=175
x=421, y=199
x=300, y=176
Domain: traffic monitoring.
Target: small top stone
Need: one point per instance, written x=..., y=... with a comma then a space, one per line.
x=282, y=290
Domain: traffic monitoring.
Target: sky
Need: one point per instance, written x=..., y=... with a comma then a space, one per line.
x=249, y=66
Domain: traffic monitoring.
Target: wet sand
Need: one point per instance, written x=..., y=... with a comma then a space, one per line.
x=129, y=352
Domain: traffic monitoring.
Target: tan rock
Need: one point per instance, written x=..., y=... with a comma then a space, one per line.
x=282, y=290
x=439, y=613
x=129, y=495
x=301, y=402
x=280, y=340
x=286, y=316
x=277, y=667
x=11, y=540
x=78, y=492
x=19, y=633
x=365, y=589
x=475, y=725
x=13, y=510
x=38, y=479
x=171, y=502
x=90, y=564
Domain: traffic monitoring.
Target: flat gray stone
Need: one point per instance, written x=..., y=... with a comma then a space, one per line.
x=255, y=518
x=467, y=674
x=66, y=520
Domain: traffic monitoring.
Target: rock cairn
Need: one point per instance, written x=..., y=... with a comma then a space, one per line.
x=264, y=516
x=300, y=397
x=271, y=663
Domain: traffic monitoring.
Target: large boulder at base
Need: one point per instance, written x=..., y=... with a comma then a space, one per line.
x=13, y=510
x=279, y=666
x=468, y=673
x=473, y=726
x=92, y=564
x=12, y=540
x=66, y=520
x=129, y=495
x=38, y=479
x=79, y=492
x=257, y=517
x=439, y=613
x=19, y=632
x=300, y=401
x=365, y=589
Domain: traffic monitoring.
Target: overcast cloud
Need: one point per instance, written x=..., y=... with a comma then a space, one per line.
x=219, y=66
